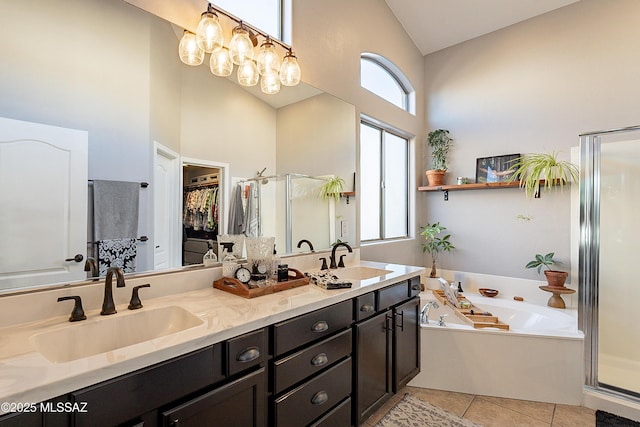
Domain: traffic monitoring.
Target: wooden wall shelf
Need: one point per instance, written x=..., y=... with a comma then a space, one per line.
x=481, y=186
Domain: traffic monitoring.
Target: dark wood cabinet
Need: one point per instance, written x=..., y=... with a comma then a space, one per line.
x=331, y=367
x=239, y=403
x=27, y=419
x=373, y=374
x=387, y=348
x=406, y=348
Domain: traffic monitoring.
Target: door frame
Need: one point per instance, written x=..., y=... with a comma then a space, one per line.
x=224, y=185
x=175, y=200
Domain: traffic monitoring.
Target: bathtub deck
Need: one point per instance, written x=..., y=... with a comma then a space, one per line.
x=475, y=320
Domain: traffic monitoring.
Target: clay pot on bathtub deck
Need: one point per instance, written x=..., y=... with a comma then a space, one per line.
x=556, y=279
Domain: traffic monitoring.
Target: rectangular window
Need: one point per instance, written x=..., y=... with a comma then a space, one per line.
x=271, y=16
x=384, y=177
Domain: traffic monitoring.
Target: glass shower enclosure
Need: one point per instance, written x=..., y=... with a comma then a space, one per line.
x=609, y=296
x=290, y=208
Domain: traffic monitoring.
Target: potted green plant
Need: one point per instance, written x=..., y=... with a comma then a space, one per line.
x=440, y=142
x=532, y=169
x=332, y=187
x=434, y=243
x=555, y=278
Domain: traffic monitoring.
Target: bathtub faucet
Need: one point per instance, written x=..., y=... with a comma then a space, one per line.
x=424, y=313
x=441, y=321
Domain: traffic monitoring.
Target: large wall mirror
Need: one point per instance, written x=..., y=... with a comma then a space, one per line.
x=111, y=70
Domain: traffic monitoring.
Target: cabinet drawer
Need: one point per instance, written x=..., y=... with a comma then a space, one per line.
x=246, y=351
x=340, y=416
x=239, y=403
x=124, y=398
x=393, y=295
x=298, y=366
x=312, y=399
x=365, y=306
x=309, y=327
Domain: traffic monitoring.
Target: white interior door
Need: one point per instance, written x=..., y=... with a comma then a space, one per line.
x=43, y=196
x=167, y=236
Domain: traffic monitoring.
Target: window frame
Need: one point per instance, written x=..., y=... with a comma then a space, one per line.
x=285, y=20
x=396, y=75
x=384, y=128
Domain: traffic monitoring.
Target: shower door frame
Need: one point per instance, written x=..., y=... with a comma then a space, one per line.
x=589, y=252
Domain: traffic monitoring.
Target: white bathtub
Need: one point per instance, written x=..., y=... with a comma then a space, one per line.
x=540, y=358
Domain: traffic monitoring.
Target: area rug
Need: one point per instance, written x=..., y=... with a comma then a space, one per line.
x=412, y=412
x=605, y=419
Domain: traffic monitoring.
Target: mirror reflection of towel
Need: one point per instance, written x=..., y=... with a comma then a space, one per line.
x=115, y=209
x=117, y=253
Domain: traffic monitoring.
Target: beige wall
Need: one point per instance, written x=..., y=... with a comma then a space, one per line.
x=531, y=87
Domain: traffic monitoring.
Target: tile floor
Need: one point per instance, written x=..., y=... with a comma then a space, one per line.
x=496, y=411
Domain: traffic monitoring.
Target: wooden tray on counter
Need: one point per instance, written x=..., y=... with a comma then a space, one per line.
x=236, y=287
x=476, y=320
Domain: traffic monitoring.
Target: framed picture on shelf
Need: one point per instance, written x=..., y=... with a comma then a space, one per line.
x=496, y=168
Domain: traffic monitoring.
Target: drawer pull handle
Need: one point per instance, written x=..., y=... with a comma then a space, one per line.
x=248, y=355
x=415, y=287
x=319, y=398
x=366, y=308
x=320, y=326
x=320, y=359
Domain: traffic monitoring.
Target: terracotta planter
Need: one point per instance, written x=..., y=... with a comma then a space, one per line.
x=435, y=177
x=556, y=279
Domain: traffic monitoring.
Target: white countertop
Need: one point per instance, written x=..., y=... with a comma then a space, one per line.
x=27, y=376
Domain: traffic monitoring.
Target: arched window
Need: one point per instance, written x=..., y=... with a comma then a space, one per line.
x=384, y=78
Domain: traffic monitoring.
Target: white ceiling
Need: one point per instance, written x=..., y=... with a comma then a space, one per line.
x=437, y=24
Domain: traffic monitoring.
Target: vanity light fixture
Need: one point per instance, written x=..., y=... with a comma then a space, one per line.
x=248, y=74
x=190, y=52
x=240, y=51
x=220, y=62
x=268, y=61
x=209, y=31
x=290, y=70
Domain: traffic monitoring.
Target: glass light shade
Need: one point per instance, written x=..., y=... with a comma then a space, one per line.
x=220, y=63
x=290, y=70
x=209, y=32
x=241, y=46
x=189, y=51
x=270, y=83
x=268, y=61
x=248, y=74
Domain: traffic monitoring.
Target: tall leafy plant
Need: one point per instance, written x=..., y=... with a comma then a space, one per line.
x=435, y=243
x=440, y=142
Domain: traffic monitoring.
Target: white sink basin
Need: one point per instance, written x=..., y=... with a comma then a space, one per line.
x=88, y=338
x=359, y=273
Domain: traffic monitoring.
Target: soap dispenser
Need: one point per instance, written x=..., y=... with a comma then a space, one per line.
x=229, y=261
x=210, y=258
x=275, y=264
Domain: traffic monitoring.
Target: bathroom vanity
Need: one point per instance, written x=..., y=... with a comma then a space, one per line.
x=305, y=356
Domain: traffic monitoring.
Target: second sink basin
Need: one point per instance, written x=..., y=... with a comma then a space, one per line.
x=359, y=273
x=88, y=338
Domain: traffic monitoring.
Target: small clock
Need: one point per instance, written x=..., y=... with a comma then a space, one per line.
x=262, y=269
x=243, y=275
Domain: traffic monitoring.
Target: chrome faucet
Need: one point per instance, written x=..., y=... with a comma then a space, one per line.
x=424, y=313
x=307, y=242
x=108, y=307
x=441, y=321
x=333, y=263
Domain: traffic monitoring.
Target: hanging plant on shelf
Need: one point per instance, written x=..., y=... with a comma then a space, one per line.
x=332, y=187
x=532, y=169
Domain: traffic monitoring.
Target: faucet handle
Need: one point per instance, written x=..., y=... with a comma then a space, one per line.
x=441, y=322
x=324, y=263
x=135, y=302
x=77, y=313
x=341, y=263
